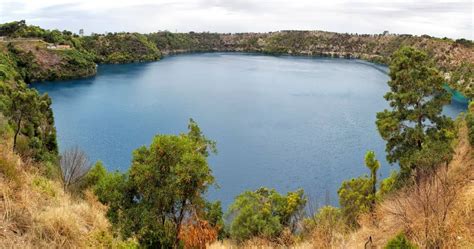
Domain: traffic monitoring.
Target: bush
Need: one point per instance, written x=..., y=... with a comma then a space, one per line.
x=265, y=213
x=355, y=198
x=399, y=242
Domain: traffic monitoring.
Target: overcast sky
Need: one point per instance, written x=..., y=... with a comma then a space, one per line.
x=453, y=19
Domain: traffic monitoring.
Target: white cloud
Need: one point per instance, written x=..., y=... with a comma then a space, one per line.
x=439, y=18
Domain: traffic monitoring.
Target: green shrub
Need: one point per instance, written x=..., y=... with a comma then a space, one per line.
x=264, y=213
x=387, y=185
x=355, y=198
x=44, y=185
x=400, y=242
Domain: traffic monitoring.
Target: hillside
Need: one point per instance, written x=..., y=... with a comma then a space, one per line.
x=38, y=213
x=120, y=48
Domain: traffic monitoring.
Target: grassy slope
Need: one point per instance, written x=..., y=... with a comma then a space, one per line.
x=36, y=212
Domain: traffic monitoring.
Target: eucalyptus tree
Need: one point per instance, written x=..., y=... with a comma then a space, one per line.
x=414, y=126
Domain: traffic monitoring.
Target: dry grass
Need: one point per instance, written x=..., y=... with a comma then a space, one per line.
x=35, y=212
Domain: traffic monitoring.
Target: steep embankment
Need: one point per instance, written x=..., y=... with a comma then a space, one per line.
x=120, y=48
x=37, y=62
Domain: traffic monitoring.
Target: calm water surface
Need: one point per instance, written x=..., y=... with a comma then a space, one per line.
x=281, y=122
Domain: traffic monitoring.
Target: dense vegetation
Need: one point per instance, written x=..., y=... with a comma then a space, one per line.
x=160, y=201
x=120, y=48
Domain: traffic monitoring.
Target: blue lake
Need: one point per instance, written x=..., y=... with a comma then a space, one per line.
x=281, y=122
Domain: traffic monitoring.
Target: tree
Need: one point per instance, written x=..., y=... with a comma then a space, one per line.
x=373, y=164
x=24, y=107
x=74, y=166
x=29, y=114
x=164, y=187
x=416, y=99
x=265, y=213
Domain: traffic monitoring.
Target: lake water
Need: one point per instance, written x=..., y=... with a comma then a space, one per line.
x=280, y=122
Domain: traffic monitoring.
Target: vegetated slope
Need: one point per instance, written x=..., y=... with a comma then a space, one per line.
x=120, y=48
x=38, y=63
x=37, y=213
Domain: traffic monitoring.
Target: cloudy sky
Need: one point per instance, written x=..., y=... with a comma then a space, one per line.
x=453, y=18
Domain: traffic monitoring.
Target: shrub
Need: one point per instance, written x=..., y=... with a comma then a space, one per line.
x=399, y=242
x=44, y=186
x=355, y=198
x=265, y=213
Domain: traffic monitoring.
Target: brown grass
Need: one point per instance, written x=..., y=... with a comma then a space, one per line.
x=35, y=212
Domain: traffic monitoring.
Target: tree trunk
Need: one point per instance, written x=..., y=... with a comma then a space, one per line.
x=18, y=128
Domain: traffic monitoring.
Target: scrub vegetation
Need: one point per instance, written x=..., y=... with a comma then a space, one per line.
x=63, y=201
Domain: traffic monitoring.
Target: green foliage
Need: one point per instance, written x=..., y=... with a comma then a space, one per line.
x=165, y=184
x=95, y=175
x=470, y=122
x=191, y=42
x=400, y=242
x=44, y=185
x=373, y=164
x=355, y=198
x=120, y=48
x=387, y=185
x=30, y=116
x=327, y=217
x=358, y=195
x=213, y=214
x=417, y=134
x=265, y=213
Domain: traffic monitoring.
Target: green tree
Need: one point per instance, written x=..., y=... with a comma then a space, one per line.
x=415, y=123
x=165, y=184
x=264, y=212
x=31, y=115
x=373, y=164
